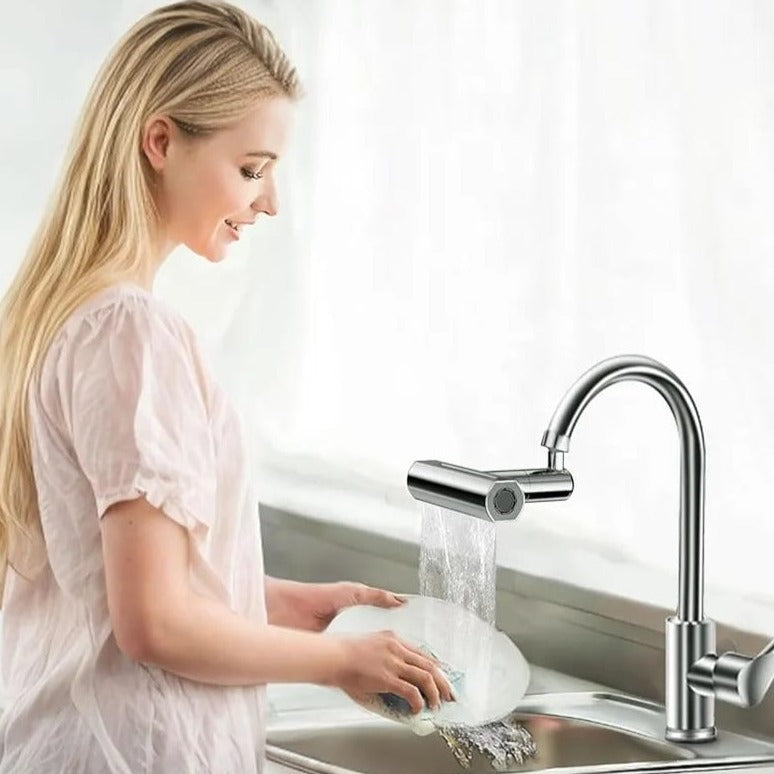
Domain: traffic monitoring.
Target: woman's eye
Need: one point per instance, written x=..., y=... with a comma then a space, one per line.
x=251, y=175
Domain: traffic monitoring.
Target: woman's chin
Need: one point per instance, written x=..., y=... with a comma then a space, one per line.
x=213, y=252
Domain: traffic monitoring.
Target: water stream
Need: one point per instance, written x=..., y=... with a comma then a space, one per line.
x=457, y=562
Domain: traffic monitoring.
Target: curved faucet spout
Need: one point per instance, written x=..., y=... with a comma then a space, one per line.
x=644, y=369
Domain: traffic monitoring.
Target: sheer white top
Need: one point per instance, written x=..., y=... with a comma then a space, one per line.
x=126, y=406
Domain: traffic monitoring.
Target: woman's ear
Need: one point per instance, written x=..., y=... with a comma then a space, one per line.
x=156, y=135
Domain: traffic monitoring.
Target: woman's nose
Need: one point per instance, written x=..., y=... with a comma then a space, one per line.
x=267, y=201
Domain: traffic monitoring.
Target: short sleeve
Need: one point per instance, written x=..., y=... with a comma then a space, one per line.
x=133, y=398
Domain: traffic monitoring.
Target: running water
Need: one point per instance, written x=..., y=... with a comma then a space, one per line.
x=457, y=560
x=457, y=563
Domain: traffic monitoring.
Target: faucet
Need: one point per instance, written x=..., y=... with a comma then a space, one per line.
x=695, y=674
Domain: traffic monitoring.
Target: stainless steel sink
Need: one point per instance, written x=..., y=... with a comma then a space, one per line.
x=590, y=654
x=573, y=732
x=379, y=748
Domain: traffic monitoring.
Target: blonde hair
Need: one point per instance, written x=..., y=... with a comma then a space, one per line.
x=203, y=64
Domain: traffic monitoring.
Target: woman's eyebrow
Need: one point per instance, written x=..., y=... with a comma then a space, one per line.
x=263, y=154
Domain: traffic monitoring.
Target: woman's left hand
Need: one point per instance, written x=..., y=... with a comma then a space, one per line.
x=313, y=606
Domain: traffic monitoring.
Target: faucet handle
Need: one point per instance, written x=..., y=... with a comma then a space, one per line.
x=734, y=678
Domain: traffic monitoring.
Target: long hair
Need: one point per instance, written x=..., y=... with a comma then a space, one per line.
x=205, y=64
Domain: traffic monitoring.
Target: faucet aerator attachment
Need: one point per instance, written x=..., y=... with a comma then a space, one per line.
x=495, y=495
x=485, y=496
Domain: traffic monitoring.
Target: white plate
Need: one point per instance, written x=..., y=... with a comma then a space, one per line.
x=496, y=674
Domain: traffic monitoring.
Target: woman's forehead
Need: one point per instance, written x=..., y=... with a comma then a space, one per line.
x=262, y=131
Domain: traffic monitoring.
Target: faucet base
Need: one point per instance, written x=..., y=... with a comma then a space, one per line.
x=688, y=737
x=690, y=715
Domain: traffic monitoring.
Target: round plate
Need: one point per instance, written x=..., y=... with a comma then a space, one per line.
x=489, y=673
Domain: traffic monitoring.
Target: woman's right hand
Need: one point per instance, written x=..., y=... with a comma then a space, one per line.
x=383, y=663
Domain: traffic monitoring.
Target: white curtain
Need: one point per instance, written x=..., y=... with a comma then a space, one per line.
x=479, y=202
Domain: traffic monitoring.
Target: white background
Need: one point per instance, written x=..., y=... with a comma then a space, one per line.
x=480, y=201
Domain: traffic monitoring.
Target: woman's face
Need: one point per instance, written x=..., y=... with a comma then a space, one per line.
x=206, y=184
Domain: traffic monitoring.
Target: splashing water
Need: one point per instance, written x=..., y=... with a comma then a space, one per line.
x=457, y=563
x=504, y=743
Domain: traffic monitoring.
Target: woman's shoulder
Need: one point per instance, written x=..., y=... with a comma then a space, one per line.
x=113, y=305
x=126, y=294
x=123, y=330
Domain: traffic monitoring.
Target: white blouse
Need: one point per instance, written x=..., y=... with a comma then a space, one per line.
x=126, y=406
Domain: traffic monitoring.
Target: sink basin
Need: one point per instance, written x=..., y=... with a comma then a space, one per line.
x=573, y=732
x=376, y=747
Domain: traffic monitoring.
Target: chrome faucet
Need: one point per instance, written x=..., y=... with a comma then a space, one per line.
x=695, y=674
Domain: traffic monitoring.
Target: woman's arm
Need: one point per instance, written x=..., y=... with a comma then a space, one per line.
x=158, y=619
x=312, y=606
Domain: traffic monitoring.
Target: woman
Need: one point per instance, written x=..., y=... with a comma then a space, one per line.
x=138, y=627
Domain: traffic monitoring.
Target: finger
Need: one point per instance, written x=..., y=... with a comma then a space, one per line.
x=423, y=662
x=420, y=660
x=410, y=693
x=415, y=650
x=367, y=595
x=426, y=683
x=444, y=686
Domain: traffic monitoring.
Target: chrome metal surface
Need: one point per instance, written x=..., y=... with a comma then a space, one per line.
x=695, y=675
x=690, y=716
x=541, y=485
x=643, y=369
x=483, y=495
x=733, y=677
x=379, y=748
x=496, y=495
x=576, y=732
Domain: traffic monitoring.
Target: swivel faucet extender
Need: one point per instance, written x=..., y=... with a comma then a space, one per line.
x=695, y=674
